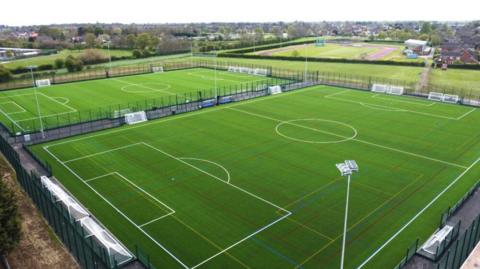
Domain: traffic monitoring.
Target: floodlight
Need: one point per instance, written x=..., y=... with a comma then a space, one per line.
x=352, y=165
x=344, y=169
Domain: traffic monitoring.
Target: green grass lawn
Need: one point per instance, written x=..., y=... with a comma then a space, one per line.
x=330, y=50
x=254, y=184
x=456, y=78
x=50, y=59
x=357, y=51
x=81, y=101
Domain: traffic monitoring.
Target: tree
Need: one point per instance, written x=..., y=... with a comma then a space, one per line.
x=426, y=28
x=5, y=74
x=59, y=63
x=131, y=41
x=92, y=56
x=73, y=64
x=90, y=40
x=295, y=53
x=143, y=41
x=10, y=229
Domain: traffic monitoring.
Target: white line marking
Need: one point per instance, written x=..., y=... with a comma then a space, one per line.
x=214, y=163
x=19, y=106
x=466, y=114
x=378, y=96
x=58, y=102
x=181, y=116
x=394, y=108
x=116, y=209
x=418, y=214
x=130, y=84
x=140, y=227
x=101, y=152
x=12, y=120
x=353, y=139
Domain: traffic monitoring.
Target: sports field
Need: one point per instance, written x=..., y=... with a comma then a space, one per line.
x=254, y=184
x=364, y=51
x=73, y=102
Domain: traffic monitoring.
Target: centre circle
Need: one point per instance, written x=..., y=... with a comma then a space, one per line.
x=329, y=131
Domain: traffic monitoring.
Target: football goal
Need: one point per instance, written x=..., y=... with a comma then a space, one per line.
x=435, y=96
x=395, y=90
x=380, y=88
x=274, y=90
x=450, y=98
x=42, y=83
x=135, y=117
x=251, y=71
x=388, y=89
x=157, y=69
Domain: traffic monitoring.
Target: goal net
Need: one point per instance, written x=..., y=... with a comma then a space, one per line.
x=135, y=117
x=42, y=83
x=246, y=70
x=274, y=90
x=388, y=89
x=450, y=98
x=435, y=96
x=396, y=90
x=157, y=69
x=379, y=88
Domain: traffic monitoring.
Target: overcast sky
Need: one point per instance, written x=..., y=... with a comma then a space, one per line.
x=28, y=12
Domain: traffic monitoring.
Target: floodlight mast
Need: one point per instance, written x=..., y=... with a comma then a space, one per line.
x=347, y=168
x=36, y=98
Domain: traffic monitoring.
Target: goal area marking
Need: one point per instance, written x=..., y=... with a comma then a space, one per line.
x=286, y=213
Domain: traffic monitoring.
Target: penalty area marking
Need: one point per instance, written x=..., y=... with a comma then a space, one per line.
x=21, y=109
x=164, y=89
x=139, y=227
x=293, y=123
x=211, y=162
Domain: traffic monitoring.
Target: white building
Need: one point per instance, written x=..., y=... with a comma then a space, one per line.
x=416, y=45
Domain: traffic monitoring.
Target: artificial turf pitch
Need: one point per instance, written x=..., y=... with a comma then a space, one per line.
x=254, y=184
x=84, y=101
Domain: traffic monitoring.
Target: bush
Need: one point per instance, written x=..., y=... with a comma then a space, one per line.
x=73, y=64
x=59, y=63
x=5, y=74
x=44, y=67
x=93, y=56
x=10, y=228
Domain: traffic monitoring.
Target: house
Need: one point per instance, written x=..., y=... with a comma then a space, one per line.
x=458, y=55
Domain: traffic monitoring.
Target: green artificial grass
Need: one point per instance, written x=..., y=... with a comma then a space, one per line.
x=254, y=184
x=83, y=101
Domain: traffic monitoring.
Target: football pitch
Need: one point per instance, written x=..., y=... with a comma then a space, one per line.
x=254, y=184
x=84, y=101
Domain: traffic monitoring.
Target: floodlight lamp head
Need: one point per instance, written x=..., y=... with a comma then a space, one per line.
x=352, y=165
x=344, y=169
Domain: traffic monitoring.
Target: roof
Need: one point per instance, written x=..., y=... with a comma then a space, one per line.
x=416, y=42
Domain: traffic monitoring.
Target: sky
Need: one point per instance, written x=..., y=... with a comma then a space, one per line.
x=34, y=12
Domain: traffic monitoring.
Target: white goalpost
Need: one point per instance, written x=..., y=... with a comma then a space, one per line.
x=135, y=117
x=251, y=71
x=450, y=98
x=388, y=89
x=157, y=69
x=446, y=98
x=42, y=83
x=274, y=90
